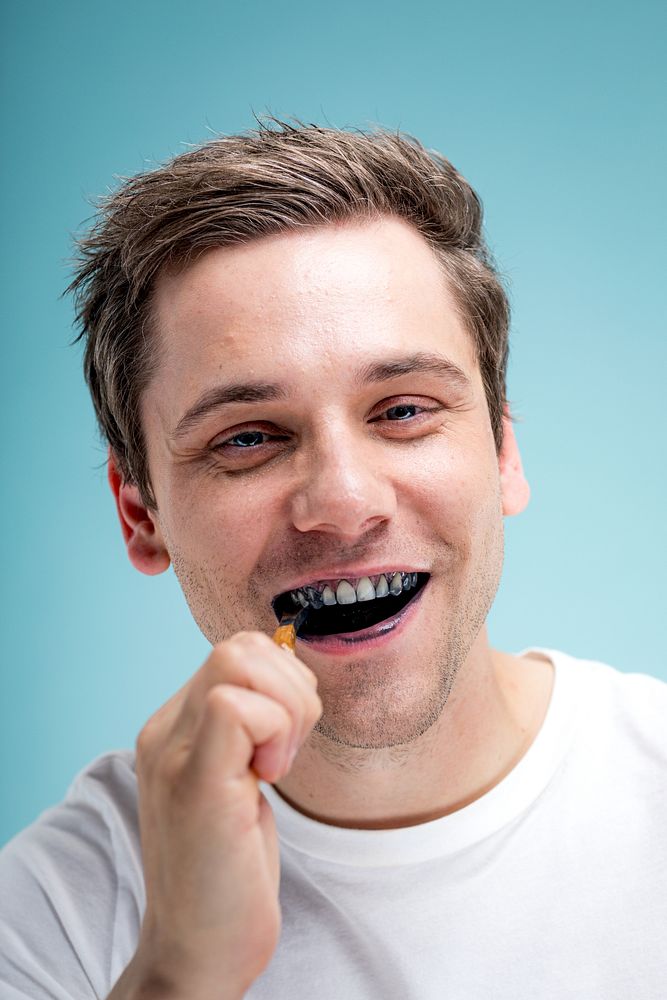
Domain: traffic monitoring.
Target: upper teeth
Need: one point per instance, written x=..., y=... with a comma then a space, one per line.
x=349, y=592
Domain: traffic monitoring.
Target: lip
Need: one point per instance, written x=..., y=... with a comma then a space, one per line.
x=348, y=572
x=368, y=639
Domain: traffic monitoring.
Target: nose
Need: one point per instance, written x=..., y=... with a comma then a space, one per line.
x=342, y=490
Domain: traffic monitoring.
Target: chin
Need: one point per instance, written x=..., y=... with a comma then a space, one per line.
x=374, y=715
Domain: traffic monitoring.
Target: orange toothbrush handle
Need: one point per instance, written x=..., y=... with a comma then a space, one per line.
x=285, y=635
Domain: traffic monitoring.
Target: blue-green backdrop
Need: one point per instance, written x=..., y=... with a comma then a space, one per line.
x=555, y=112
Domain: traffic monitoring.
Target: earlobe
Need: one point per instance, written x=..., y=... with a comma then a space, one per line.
x=143, y=538
x=514, y=486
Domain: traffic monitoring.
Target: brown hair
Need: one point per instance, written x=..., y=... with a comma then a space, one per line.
x=277, y=178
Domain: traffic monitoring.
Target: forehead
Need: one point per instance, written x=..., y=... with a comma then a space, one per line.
x=320, y=298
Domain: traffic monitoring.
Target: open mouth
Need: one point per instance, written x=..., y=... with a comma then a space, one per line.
x=351, y=605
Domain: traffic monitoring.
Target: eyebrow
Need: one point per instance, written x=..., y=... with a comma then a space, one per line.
x=421, y=362
x=222, y=395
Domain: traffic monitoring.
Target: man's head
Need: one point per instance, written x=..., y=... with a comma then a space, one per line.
x=234, y=190
x=315, y=408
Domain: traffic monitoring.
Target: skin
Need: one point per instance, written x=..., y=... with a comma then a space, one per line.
x=434, y=717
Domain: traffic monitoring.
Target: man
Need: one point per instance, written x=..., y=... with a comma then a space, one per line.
x=297, y=346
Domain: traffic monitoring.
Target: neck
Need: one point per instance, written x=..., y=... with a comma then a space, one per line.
x=495, y=709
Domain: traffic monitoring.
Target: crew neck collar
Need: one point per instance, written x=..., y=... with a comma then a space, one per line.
x=460, y=829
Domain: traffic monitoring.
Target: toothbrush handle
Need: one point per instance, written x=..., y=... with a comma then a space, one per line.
x=285, y=635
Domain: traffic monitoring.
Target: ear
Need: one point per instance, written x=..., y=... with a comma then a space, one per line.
x=514, y=486
x=143, y=538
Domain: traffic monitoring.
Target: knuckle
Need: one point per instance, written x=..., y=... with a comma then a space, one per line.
x=315, y=708
x=224, y=663
x=146, y=739
x=284, y=720
x=298, y=720
x=141, y=743
x=220, y=654
x=169, y=771
x=221, y=701
x=234, y=651
x=157, y=766
x=305, y=670
x=248, y=638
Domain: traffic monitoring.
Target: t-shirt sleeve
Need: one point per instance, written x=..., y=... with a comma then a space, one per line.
x=71, y=892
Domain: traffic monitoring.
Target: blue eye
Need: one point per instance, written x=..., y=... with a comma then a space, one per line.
x=247, y=439
x=401, y=412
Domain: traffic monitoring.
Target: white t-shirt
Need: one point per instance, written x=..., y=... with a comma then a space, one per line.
x=553, y=885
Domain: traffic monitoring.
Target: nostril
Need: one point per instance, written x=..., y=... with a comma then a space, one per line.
x=347, y=532
x=349, y=509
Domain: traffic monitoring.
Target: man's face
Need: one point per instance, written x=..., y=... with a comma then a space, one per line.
x=318, y=415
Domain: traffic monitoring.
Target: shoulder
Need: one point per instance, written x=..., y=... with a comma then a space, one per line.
x=94, y=827
x=67, y=879
x=635, y=690
x=629, y=707
x=102, y=794
x=638, y=685
x=101, y=801
x=107, y=787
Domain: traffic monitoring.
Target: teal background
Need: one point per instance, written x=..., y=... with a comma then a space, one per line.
x=556, y=115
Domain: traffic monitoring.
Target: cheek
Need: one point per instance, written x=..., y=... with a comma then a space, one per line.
x=458, y=492
x=216, y=527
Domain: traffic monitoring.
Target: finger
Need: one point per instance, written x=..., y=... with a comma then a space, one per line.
x=155, y=732
x=252, y=661
x=298, y=669
x=312, y=702
x=234, y=723
x=305, y=670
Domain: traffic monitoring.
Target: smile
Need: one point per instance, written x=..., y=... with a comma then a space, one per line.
x=351, y=605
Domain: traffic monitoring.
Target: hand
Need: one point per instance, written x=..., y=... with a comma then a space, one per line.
x=208, y=836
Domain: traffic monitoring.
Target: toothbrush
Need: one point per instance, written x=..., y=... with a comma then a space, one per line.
x=290, y=623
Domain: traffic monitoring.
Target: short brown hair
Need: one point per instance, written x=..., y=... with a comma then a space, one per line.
x=277, y=178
